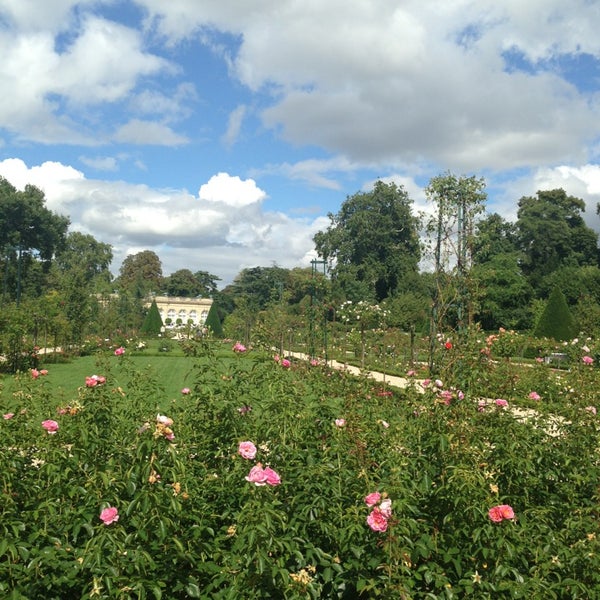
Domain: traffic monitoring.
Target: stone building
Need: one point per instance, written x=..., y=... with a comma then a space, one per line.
x=174, y=310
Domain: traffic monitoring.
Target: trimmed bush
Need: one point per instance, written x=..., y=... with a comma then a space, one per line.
x=556, y=321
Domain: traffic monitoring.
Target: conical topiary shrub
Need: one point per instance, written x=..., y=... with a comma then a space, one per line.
x=213, y=323
x=556, y=321
x=152, y=324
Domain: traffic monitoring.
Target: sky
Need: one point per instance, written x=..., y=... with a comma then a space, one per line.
x=220, y=133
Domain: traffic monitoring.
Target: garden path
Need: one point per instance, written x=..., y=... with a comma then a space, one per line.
x=521, y=414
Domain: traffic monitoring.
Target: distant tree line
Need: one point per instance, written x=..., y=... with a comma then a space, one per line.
x=461, y=263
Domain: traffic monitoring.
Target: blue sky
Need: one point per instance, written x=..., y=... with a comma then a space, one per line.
x=220, y=133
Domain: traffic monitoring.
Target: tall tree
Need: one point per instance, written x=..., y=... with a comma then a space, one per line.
x=29, y=233
x=208, y=283
x=553, y=234
x=82, y=252
x=141, y=273
x=372, y=243
x=182, y=283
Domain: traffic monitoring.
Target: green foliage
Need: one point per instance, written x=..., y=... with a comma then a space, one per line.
x=553, y=234
x=556, y=321
x=373, y=242
x=152, y=324
x=213, y=323
x=191, y=525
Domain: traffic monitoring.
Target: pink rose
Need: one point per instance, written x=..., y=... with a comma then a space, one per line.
x=340, y=422
x=534, y=396
x=498, y=513
x=257, y=475
x=238, y=347
x=314, y=362
x=271, y=477
x=587, y=360
x=43, y=372
x=372, y=499
x=50, y=426
x=164, y=420
x=377, y=521
x=247, y=450
x=120, y=351
x=277, y=358
x=7, y=416
x=285, y=363
x=185, y=391
x=386, y=508
x=411, y=373
x=94, y=380
x=35, y=373
x=590, y=409
x=425, y=383
x=501, y=403
x=109, y=515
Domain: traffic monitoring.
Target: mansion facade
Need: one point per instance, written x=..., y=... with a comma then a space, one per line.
x=182, y=311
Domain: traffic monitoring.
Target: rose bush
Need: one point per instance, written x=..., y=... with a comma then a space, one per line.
x=444, y=501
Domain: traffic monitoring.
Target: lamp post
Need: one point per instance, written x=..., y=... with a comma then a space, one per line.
x=313, y=298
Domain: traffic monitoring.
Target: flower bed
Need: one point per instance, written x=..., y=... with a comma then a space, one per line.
x=273, y=480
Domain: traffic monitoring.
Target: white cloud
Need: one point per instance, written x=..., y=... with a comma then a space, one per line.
x=101, y=163
x=234, y=125
x=222, y=230
x=231, y=191
x=148, y=133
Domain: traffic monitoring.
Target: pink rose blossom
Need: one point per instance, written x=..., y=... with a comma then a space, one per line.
x=411, y=373
x=426, y=382
x=35, y=373
x=257, y=475
x=314, y=362
x=185, y=391
x=94, y=380
x=446, y=396
x=587, y=360
x=372, y=499
x=481, y=405
x=501, y=512
x=534, y=396
x=501, y=403
x=285, y=363
x=50, y=426
x=43, y=372
x=591, y=409
x=277, y=358
x=340, y=422
x=109, y=515
x=120, y=351
x=247, y=450
x=271, y=477
x=377, y=521
x=7, y=416
x=386, y=508
x=238, y=347
x=439, y=383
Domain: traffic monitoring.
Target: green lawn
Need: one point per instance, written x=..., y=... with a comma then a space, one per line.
x=172, y=373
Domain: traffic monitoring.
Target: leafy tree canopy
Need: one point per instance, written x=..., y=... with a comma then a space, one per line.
x=372, y=243
x=552, y=234
x=141, y=273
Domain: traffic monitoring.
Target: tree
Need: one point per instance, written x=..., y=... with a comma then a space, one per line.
x=30, y=235
x=213, y=323
x=552, y=234
x=82, y=252
x=556, y=321
x=141, y=273
x=494, y=236
x=372, y=243
x=152, y=324
x=208, y=283
x=503, y=293
x=182, y=283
